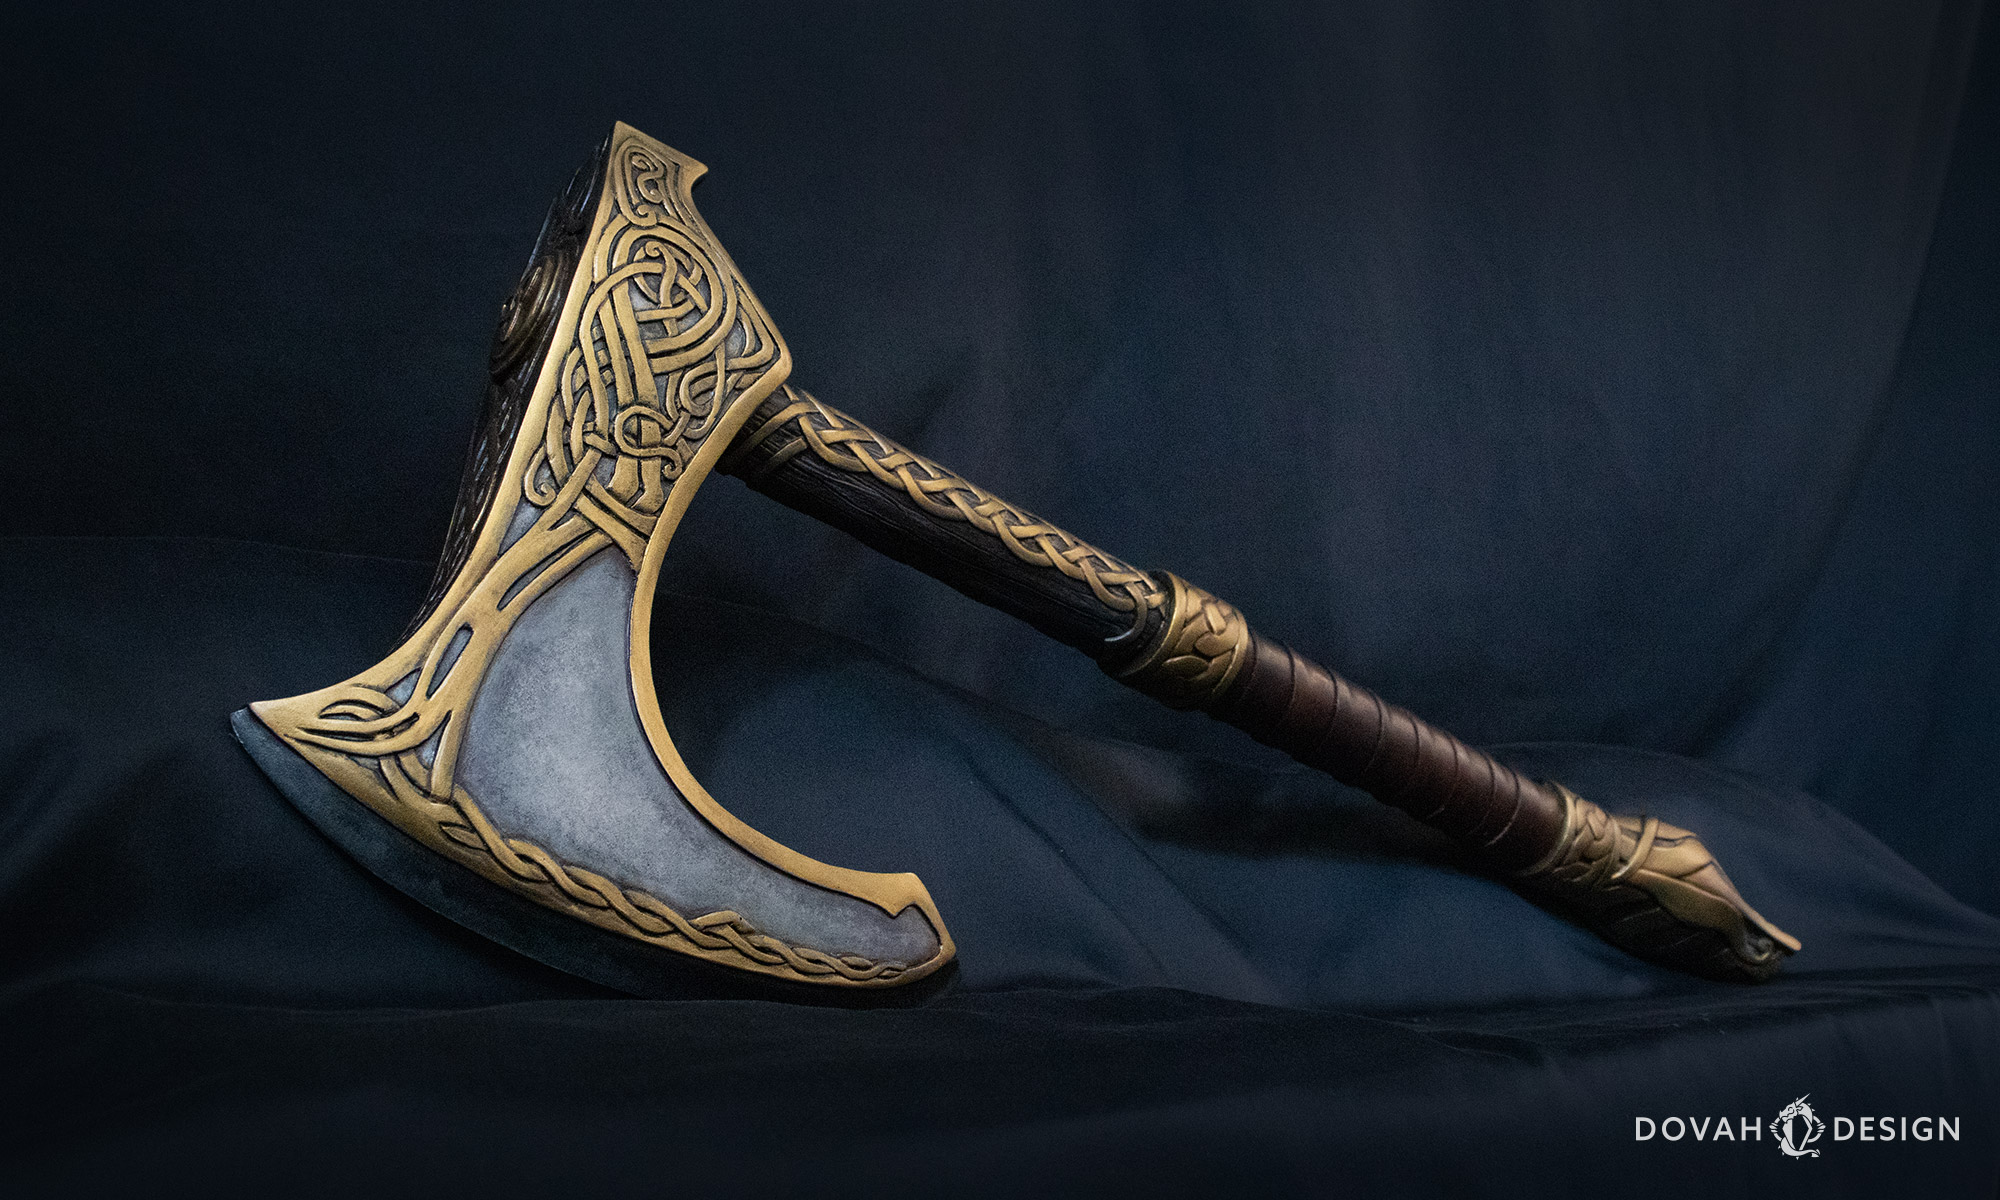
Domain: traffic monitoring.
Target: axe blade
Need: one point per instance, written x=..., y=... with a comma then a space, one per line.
x=508, y=765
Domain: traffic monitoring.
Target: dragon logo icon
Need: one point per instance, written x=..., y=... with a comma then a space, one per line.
x=1796, y=1128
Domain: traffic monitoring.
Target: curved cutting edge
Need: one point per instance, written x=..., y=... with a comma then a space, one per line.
x=517, y=732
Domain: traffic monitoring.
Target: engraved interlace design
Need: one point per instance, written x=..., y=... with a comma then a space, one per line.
x=663, y=340
x=841, y=441
x=725, y=932
x=1197, y=656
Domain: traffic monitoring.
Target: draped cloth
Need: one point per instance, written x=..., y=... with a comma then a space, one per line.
x=1176, y=972
x=1612, y=388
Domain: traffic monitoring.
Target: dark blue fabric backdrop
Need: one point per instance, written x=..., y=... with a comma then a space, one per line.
x=1615, y=382
x=1563, y=372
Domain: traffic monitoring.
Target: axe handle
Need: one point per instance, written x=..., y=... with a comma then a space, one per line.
x=1643, y=885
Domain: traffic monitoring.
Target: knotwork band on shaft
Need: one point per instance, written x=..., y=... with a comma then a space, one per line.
x=514, y=740
x=1658, y=894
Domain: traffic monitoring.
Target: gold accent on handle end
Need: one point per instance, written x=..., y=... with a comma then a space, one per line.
x=1655, y=890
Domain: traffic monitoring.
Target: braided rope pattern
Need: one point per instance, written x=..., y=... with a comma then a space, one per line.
x=841, y=441
x=658, y=342
x=568, y=886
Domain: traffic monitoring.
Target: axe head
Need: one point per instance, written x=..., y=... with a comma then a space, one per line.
x=508, y=765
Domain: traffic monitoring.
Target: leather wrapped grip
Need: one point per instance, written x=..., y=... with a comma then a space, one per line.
x=1650, y=888
x=1289, y=702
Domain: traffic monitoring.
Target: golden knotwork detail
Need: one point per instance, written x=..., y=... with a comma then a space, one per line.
x=1197, y=655
x=655, y=339
x=664, y=337
x=662, y=343
x=459, y=828
x=841, y=441
x=1602, y=864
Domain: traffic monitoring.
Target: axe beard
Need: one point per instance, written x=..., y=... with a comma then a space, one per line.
x=516, y=731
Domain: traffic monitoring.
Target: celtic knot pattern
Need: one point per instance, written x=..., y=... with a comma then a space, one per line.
x=663, y=339
x=662, y=344
x=1197, y=656
x=841, y=441
x=467, y=828
x=624, y=349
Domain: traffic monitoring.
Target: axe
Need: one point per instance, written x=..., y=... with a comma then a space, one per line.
x=508, y=764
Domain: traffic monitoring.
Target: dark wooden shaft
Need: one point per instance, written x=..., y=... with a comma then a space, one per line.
x=882, y=516
x=1651, y=888
x=856, y=481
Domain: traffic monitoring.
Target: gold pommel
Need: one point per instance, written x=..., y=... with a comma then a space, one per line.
x=1642, y=883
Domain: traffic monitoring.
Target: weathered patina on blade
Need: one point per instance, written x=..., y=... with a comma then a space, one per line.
x=516, y=732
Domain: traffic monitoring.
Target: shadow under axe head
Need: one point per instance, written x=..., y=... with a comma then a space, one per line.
x=508, y=765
